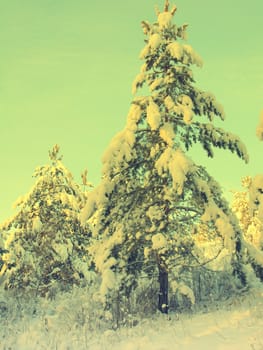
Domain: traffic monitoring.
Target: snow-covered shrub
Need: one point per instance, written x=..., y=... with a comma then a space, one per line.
x=46, y=245
x=70, y=320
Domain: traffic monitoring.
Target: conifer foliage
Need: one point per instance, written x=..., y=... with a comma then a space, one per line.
x=45, y=242
x=152, y=196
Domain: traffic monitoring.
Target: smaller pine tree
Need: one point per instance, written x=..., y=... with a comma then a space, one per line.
x=45, y=241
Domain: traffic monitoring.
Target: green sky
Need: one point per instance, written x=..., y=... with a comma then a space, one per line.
x=66, y=69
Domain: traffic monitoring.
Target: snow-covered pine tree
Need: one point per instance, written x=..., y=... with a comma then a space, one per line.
x=47, y=247
x=152, y=196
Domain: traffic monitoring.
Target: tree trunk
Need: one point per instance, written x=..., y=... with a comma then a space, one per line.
x=238, y=268
x=163, y=293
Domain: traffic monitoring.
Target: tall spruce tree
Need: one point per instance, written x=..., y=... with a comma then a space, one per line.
x=152, y=197
x=46, y=245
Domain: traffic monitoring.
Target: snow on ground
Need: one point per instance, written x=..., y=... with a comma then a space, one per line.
x=236, y=324
x=233, y=326
x=233, y=330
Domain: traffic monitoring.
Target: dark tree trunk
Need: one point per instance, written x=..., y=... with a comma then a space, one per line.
x=163, y=293
x=238, y=269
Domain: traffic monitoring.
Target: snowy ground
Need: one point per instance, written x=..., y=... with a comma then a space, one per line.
x=236, y=324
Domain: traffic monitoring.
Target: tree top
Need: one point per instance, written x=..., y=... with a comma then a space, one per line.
x=53, y=154
x=166, y=8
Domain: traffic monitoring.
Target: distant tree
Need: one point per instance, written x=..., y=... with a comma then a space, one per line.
x=2, y=251
x=153, y=197
x=259, y=129
x=248, y=207
x=47, y=247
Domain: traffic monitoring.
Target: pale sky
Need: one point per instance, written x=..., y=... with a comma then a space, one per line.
x=66, y=69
